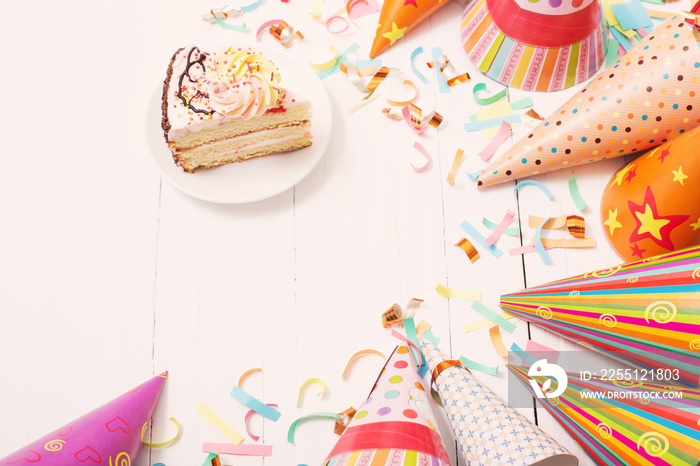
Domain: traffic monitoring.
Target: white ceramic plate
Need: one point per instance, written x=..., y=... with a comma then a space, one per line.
x=258, y=178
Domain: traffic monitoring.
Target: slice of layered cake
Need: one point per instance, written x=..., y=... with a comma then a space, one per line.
x=229, y=107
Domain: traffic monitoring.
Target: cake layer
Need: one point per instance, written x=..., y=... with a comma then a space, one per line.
x=220, y=129
x=237, y=150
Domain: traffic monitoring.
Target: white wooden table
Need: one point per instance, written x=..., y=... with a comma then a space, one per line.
x=111, y=275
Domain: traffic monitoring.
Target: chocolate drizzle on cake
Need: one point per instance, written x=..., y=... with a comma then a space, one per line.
x=199, y=61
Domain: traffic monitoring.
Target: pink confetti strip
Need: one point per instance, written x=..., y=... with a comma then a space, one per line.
x=507, y=218
x=503, y=134
x=334, y=19
x=396, y=334
x=242, y=450
x=266, y=25
x=534, y=347
x=421, y=149
x=247, y=427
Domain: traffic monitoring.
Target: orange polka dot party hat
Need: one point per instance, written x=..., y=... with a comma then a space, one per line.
x=645, y=98
x=395, y=425
x=651, y=206
x=487, y=429
x=535, y=45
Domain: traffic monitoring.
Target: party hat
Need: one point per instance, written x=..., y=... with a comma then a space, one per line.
x=395, y=425
x=397, y=18
x=487, y=429
x=109, y=435
x=535, y=46
x=651, y=205
x=643, y=99
x=624, y=422
x=644, y=313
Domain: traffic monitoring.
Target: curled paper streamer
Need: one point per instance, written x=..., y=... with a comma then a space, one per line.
x=419, y=359
x=403, y=103
x=456, y=162
x=251, y=7
x=510, y=231
x=441, y=81
x=503, y=134
x=239, y=450
x=417, y=51
x=481, y=323
x=160, y=444
x=497, y=342
x=536, y=184
x=357, y=355
x=532, y=118
x=293, y=426
x=412, y=114
x=449, y=74
x=220, y=13
x=334, y=19
x=538, y=244
x=361, y=103
x=487, y=100
x=576, y=226
x=549, y=243
x=246, y=374
x=507, y=219
x=327, y=65
x=392, y=113
x=285, y=33
x=575, y=195
x=458, y=293
x=231, y=27
x=345, y=418
x=551, y=223
x=479, y=238
x=307, y=383
x=468, y=248
x=417, y=146
x=469, y=364
x=493, y=317
x=248, y=415
x=229, y=432
x=349, y=67
x=266, y=25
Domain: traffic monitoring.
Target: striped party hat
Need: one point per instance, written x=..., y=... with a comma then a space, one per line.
x=643, y=99
x=644, y=313
x=487, y=429
x=625, y=422
x=535, y=45
x=109, y=435
x=395, y=425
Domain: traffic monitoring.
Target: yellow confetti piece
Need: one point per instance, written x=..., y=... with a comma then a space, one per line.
x=160, y=444
x=220, y=425
x=327, y=65
x=481, y=323
x=306, y=384
x=457, y=293
x=316, y=8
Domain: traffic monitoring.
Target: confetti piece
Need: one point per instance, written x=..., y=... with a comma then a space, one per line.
x=659, y=14
x=220, y=425
x=412, y=114
x=343, y=57
x=631, y=15
x=551, y=223
x=442, y=83
x=220, y=13
x=423, y=327
x=456, y=162
x=624, y=43
x=568, y=243
x=359, y=8
x=576, y=226
x=284, y=33
x=469, y=364
x=327, y=65
x=511, y=231
x=335, y=19
x=160, y=444
x=345, y=418
x=493, y=317
x=507, y=219
x=458, y=293
x=429, y=335
x=403, y=103
x=409, y=326
x=248, y=415
x=316, y=8
x=266, y=26
x=247, y=373
x=212, y=460
x=534, y=347
x=449, y=74
x=414, y=348
x=231, y=27
x=575, y=195
x=469, y=249
x=251, y=7
x=532, y=118
x=490, y=123
x=481, y=323
x=347, y=64
x=539, y=246
x=479, y=238
x=522, y=354
x=239, y=450
x=361, y=103
x=357, y=355
x=613, y=47
x=503, y=134
x=307, y=383
x=487, y=100
x=497, y=341
x=293, y=426
x=521, y=104
x=536, y=184
x=417, y=146
x=474, y=176
x=418, y=74
x=254, y=404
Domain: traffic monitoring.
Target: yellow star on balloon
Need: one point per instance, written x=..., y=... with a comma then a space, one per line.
x=621, y=175
x=695, y=225
x=678, y=175
x=395, y=34
x=649, y=223
x=612, y=222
